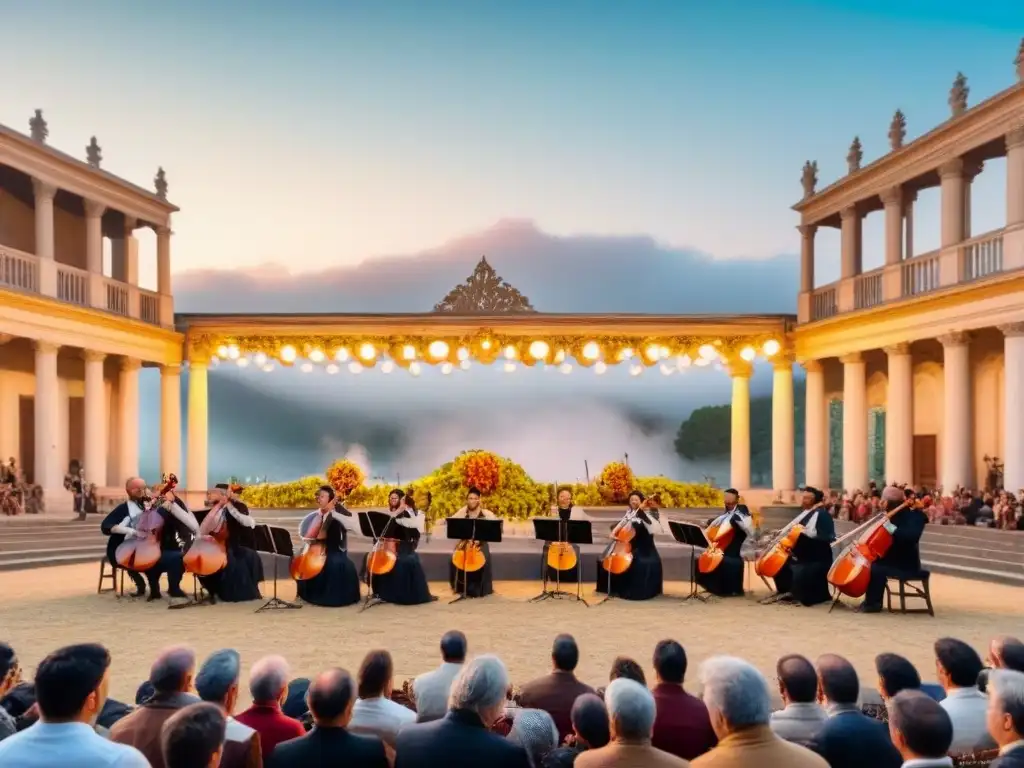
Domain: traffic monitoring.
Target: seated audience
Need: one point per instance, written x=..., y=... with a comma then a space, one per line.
x=1006, y=717
x=331, y=698
x=430, y=690
x=895, y=674
x=10, y=676
x=268, y=686
x=801, y=717
x=920, y=729
x=849, y=738
x=461, y=739
x=1006, y=652
x=534, y=731
x=70, y=686
x=374, y=711
x=556, y=693
x=560, y=757
x=958, y=666
x=623, y=666
x=217, y=683
x=740, y=706
x=193, y=737
x=590, y=728
x=171, y=676
x=631, y=713
x=682, y=726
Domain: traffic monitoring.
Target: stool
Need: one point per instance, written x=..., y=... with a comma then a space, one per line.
x=114, y=570
x=913, y=587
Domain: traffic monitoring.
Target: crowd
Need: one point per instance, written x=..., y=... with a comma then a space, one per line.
x=16, y=495
x=466, y=713
x=994, y=509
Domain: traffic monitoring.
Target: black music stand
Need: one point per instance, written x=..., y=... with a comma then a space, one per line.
x=554, y=530
x=479, y=529
x=275, y=542
x=692, y=536
x=375, y=525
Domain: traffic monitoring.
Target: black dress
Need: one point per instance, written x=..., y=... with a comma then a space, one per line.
x=337, y=584
x=473, y=583
x=240, y=578
x=805, y=574
x=406, y=583
x=727, y=579
x=644, y=579
x=570, y=575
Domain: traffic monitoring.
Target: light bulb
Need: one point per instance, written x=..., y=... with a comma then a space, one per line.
x=600, y=367
x=408, y=352
x=446, y=368
x=438, y=350
x=288, y=353
x=591, y=350
x=387, y=366
x=355, y=367
x=367, y=351
x=317, y=355
x=772, y=347
x=539, y=350
x=748, y=354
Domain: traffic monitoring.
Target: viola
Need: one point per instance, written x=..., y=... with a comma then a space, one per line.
x=618, y=555
x=143, y=551
x=719, y=538
x=208, y=553
x=311, y=559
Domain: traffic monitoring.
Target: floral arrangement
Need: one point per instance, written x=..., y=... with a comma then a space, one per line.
x=616, y=481
x=344, y=476
x=480, y=470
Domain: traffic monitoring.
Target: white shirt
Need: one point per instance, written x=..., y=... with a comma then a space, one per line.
x=431, y=690
x=744, y=522
x=380, y=717
x=930, y=762
x=967, y=709
x=66, y=745
x=1018, y=744
x=653, y=527
x=417, y=521
x=575, y=513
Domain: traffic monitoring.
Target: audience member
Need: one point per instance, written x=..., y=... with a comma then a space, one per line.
x=1006, y=717
x=461, y=738
x=895, y=674
x=560, y=757
x=625, y=667
x=331, y=698
x=70, y=686
x=801, y=717
x=217, y=683
x=534, y=731
x=631, y=713
x=682, y=726
x=556, y=693
x=740, y=706
x=10, y=676
x=430, y=690
x=1006, y=652
x=590, y=727
x=849, y=738
x=957, y=666
x=268, y=686
x=193, y=737
x=374, y=712
x=920, y=729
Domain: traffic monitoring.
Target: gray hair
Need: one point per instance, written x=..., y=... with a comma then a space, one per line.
x=218, y=673
x=268, y=678
x=737, y=690
x=1007, y=686
x=631, y=708
x=171, y=668
x=481, y=684
x=535, y=731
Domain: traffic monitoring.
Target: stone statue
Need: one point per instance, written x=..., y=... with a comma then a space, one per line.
x=93, y=153
x=160, y=183
x=1019, y=61
x=855, y=155
x=810, y=177
x=37, y=127
x=958, y=95
x=484, y=293
x=897, y=130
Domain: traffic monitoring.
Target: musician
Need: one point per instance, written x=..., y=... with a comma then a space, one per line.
x=240, y=579
x=643, y=580
x=406, y=583
x=727, y=579
x=179, y=527
x=804, y=577
x=904, y=556
x=476, y=583
x=337, y=584
x=566, y=510
x=74, y=481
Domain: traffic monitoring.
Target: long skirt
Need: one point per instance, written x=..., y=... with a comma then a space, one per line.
x=405, y=584
x=476, y=583
x=806, y=581
x=240, y=578
x=726, y=580
x=642, y=581
x=335, y=586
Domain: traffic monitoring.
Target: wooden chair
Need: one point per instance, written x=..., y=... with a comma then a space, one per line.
x=114, y=587
x=913, y=588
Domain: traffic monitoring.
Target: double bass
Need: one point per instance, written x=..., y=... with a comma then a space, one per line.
x=209, y=554
x=851, y=571
x=618, y=555
x=143, y=552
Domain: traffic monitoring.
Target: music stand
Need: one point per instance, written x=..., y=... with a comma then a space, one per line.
x=554, y=530
x=375, y=525
x=275, y=542
x=472, y=529
x=692, y=536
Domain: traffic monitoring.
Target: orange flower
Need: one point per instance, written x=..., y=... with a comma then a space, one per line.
x=344, y=476
x=616, y=481
x=481, y=470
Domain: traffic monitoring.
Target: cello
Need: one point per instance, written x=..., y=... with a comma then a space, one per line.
x=311, y=559
x=777, y=554
x=851, y=571
x=384, y=554
x=561, y=555
x=143, y=552
x=208, y=554
x=719, y=538
x=618, y=555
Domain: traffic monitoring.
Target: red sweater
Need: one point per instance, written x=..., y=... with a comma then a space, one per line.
x=271, y=724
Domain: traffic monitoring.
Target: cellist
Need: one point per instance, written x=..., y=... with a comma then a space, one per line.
x=904, y=556
x=727, y=579
x=643, y=579
x=476, y=583
x=804, y=577
x=406, y=582
x=240, y=579
x=337, y=584
x=566, y=511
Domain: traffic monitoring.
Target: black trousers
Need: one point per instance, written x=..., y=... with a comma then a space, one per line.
x=880, y=573
x=171, y=563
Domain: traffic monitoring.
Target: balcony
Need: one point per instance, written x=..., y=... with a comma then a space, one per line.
x=27, y=273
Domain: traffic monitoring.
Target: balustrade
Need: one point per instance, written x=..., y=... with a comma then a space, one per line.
x=867, y=290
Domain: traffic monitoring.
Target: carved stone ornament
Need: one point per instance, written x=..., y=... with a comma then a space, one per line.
x=160, y=183
x=809, y=179
x=855, y=155
x=37, y=127
x=1019, y=61
x=93, y=153
x=1012, y=329
x=958, y=95
x=484, y=293
x=897, y=130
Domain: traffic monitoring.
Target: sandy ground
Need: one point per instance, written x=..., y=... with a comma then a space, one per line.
x=44, y=609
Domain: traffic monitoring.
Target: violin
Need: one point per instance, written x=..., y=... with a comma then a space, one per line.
x=311, y=559
x=143, y=552
x=208, y=554
x=851, y=571
x=719, y=538
x=777, y=554
x=618, y=555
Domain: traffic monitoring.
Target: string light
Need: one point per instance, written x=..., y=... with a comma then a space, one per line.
x=438, y=350
x=626, y=354
x=387, y=367
x=408, y=352
x=591, y=350
x=222, y=351
x=355, y=367
x=559, y=356
x=341, y=355
x=771, y=347
x=317, y=355
x=684, y=361
x=414, y=368
x=652, y=352
x=464, y=365
x=463, y=355
x=510, y=352
x=539, y=350
x=707, y=352
x=636, y=370
x=243, y=362
x=565, y=368
x=367, y=351
x=260, y=359
x=665, y=370
x=332, y=368
x=510, y=367
x=485, y=344
x=446, y=368
x=748, y=353
x=233, y=352
x=268, y=368
x=307, y=367
x=701, y=361
x=288, y=353
x=600, y=367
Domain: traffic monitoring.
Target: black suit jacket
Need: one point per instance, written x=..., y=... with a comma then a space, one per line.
x=459, y=740
x=851, y=739
x=329, y=747
x=1012, y=759
x=905, y=553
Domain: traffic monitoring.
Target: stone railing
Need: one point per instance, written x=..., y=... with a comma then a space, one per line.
x=823, y=303
x=981, y=257
x=18, y=270
x=73, y=285
x=867, y=290
x=921, y=274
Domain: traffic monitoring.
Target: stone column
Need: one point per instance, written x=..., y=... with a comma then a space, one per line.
x=908, y=223
x=44, y=194
x=807, y=234
x=170, y=419
x=48, y=472
x=893, y=200
x=816, y=442
x=951, y=175
x=128, y=401
x=957, y=431
x=163, y=260
x=1015, y=178
x=899, y=416
x=855, y=423
x=851, y=242
x=1013, y=418
x=740, y=455
x=96, y=419
x=783, y=442
x=198, y=414
x=94, y=236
